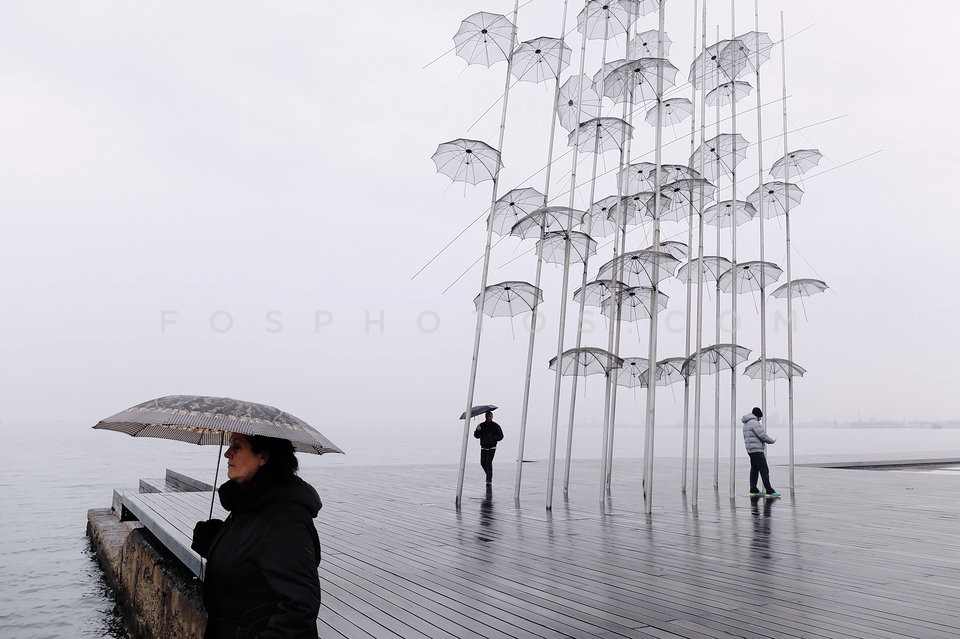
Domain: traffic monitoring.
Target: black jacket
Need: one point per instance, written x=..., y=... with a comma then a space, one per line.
x=261, y=576
x=489, y=434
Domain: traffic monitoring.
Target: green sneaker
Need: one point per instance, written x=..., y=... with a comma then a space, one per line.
x=771, y=494
x=755, y=493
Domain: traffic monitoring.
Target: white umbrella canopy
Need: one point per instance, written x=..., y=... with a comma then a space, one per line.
x=776, y=368
x=608, y=18
x=798, y=162
x=728, y=92
x=470, y=161
x=643, y=79
x=204, y=420
x=631, y=372
x=607, y=214
x=546, y=219
x=720, y=154
x=684, y=194
x=675, y=111
x=718, y=63
x=803, y=287
x=485, y=38
x=729, y=213
x=636, y=303
x=594, y=293
x=668, y=371
x=644, y=45
x=716, y=358
x=637, y=268
x=750, y=276
x=540, y=59
x=508, y=299
x=677, y=249
x=600, y=135
x=776, y=197
x=576, y=87
x=639, y=176
x=582, y=246
x=713, y=267
x=513, y=205
x=586, y=360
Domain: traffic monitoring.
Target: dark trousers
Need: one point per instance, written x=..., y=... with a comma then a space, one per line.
x=758, y=467
x=486, y=462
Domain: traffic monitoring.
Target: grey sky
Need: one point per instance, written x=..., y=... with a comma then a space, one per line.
x=216, y=162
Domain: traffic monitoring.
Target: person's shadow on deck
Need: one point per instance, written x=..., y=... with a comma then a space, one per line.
x=486, y=507
x=762, y=524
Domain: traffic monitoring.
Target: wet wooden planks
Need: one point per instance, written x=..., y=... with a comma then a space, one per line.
x=878, y=558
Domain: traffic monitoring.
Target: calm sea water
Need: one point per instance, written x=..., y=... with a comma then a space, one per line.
x=51, y=586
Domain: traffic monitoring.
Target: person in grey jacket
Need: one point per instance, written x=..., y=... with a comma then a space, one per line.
x=755, y=438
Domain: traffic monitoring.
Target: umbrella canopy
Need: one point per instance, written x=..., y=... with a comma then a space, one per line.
x=720, y=154
x=470, y=161
x=776, y=198
x=717, y=358
x=607, y=18
x=540, y=59
x=684, y=194
x=546, y=219
x=631, y=372
x=198, y=419
x=751, y=276
x=636, y=268
x=595, y=292
x=600, y=135
x=607, y=215
x=798, y=162
x=776, y=368
x=480, y=409
x=640, y=78
x=718, y=63
x=644, y=45
x=673, y=247
x=729, y=213
x=485, y=38
x=675, y=111
x=636, y=302
x=728, y=92
x=507, y=299
x=582, y=246
x=576, y=87
x=639, y=176
x=587, y=360
x=803, y=287
x=713, y=267
x=669, y=371
x=513, y=205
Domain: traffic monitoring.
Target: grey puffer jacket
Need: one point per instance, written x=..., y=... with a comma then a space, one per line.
x=754, y=436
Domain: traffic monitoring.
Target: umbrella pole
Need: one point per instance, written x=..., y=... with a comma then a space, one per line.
x=719, y=301
x=698, y=378
x=583, y=283
x=213, y=495
x=689, y=282
x=786, y=179
x=537, y=277
x=763, y=278
x=734, y=320
x=555, y=415
x=654, y=315
x=471, y=387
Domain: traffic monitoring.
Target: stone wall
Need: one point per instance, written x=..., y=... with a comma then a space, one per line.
x=159, y=597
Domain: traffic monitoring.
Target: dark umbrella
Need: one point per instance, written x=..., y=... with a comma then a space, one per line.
x=480, y=409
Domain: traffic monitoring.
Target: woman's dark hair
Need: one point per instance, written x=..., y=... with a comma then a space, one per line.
x=281, y=462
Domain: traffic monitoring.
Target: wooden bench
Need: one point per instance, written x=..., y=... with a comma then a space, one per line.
x=170, y=514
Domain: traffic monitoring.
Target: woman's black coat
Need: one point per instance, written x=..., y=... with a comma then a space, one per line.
x=261, y=577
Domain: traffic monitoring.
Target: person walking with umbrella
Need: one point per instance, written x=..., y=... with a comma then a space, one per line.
x=489, y=433
x=755, y=438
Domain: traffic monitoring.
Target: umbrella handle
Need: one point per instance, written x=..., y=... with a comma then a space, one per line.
x=213, y=493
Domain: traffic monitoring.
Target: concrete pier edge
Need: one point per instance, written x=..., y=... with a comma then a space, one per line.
x=159, y=597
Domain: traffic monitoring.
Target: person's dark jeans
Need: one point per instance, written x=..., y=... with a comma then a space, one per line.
x=486, y=462
x=759, y=468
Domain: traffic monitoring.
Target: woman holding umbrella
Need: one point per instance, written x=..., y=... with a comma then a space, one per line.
x=261, y=577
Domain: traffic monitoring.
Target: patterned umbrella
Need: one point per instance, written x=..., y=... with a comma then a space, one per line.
x=207, y=420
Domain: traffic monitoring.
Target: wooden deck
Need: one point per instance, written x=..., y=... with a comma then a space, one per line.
x=854, y=553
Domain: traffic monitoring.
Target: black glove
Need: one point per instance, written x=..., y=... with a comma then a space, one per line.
x=203, y=534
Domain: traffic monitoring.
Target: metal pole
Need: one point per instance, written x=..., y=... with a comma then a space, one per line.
x=471, y=386
x=734, y=320
x=786, y=179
